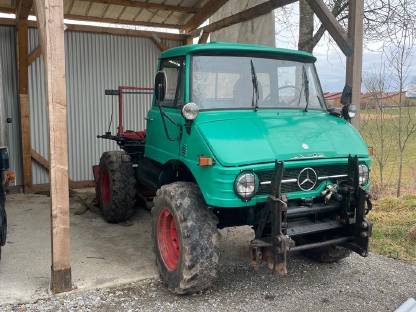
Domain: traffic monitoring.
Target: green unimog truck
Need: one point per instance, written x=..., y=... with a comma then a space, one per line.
x=239, y=135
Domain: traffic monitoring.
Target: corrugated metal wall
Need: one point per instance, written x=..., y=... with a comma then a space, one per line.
x=8, y=61
x=94, y=62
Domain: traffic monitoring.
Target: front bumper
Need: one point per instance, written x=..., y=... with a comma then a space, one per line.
x=217, y=182
x=284, y=227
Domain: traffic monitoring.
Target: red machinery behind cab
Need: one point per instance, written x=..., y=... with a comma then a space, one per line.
x=126, y=139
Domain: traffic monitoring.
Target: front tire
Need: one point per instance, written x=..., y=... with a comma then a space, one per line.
x=117, y=187
x=185, y=238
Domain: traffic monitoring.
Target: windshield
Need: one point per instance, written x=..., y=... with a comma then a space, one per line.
x=226, y=82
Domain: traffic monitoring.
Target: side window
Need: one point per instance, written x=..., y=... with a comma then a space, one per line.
x=175, y=77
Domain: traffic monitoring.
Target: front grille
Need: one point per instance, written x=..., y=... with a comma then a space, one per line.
x=293, y=173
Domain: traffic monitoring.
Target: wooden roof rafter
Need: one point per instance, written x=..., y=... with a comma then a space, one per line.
x=204, y=13
x=23, y=8
x=147, y=5
x=119, y=21
x=107, y=30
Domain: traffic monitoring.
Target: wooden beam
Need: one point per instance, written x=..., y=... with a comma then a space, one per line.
x=156, y=40
x=23, y=8
x=332, y=25
x=246, y=15
x=22, y=50
x=50, y=17
x=40, y=160
x=13, y=22
x=107, y=30
x=147, y=5
x=44, y=163
x=73, y=184
x=204, y=13
x=119, y=21
x=34, y=55
x=204, y=37
x=355, y=61
x=7, y=10
x=125, y=32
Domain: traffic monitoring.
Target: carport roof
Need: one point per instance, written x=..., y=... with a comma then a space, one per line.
x=180, y=14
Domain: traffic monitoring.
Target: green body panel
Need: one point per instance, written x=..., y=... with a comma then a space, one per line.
x=246, y=137
x=240, y=140
x=228, y=47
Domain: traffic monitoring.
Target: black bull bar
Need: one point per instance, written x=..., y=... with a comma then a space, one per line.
x=282, y=230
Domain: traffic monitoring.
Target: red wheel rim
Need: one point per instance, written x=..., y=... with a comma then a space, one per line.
x=105, y=187
x=168, y=239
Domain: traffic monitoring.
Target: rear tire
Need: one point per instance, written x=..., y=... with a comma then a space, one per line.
x=330, y=254
x=117, y=187
x=185, y=238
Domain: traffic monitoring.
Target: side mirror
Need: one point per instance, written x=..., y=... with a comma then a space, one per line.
x=160, y=86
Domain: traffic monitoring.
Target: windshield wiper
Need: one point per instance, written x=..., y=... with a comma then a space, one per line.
x=255, y=99
x=306, y=86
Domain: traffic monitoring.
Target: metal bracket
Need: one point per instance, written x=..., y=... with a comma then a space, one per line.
x=273, y=246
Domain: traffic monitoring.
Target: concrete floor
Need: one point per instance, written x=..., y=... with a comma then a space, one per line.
x=102, y=254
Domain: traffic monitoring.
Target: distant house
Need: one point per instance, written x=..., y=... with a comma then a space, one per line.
x=372, y=99
x=333, y=99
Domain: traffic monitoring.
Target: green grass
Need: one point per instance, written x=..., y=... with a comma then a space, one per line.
x=394, y=234
x=368, y=130
x=393, y=218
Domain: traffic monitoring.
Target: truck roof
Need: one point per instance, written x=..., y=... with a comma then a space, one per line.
x=228, y=47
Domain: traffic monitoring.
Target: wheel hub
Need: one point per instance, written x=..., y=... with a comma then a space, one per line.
x=168, y=239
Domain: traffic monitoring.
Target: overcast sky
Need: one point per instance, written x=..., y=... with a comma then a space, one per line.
x=331, y=61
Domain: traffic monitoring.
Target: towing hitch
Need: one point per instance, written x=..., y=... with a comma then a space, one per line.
x=340, y=221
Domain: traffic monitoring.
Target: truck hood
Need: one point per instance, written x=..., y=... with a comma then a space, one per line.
x=247, y=137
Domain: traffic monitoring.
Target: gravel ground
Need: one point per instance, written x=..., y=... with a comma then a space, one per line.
x=375, y=283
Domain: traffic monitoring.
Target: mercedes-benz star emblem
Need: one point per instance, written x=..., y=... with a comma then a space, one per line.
x=307, y=179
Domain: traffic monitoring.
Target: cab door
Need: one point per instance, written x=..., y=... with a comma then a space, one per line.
x=165, y=123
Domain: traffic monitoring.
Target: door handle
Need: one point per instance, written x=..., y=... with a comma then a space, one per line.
x=148, y=119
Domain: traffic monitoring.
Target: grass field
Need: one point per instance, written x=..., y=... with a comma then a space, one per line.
x=370, y=122
x=394, y=219
x=394, y=232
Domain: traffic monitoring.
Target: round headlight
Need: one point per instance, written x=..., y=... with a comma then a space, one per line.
x=363, y=174
x=190, y=111
x=245, y=185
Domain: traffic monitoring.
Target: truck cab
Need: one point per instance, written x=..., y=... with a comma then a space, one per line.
x=240, y=135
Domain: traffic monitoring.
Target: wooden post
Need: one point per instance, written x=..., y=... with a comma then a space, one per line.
x=22, y=48
x=50, y=16
x=355, y=61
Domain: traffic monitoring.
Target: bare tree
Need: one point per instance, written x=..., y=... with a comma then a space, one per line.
x=399, y=55
x=376, y=127
x=381, y=19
